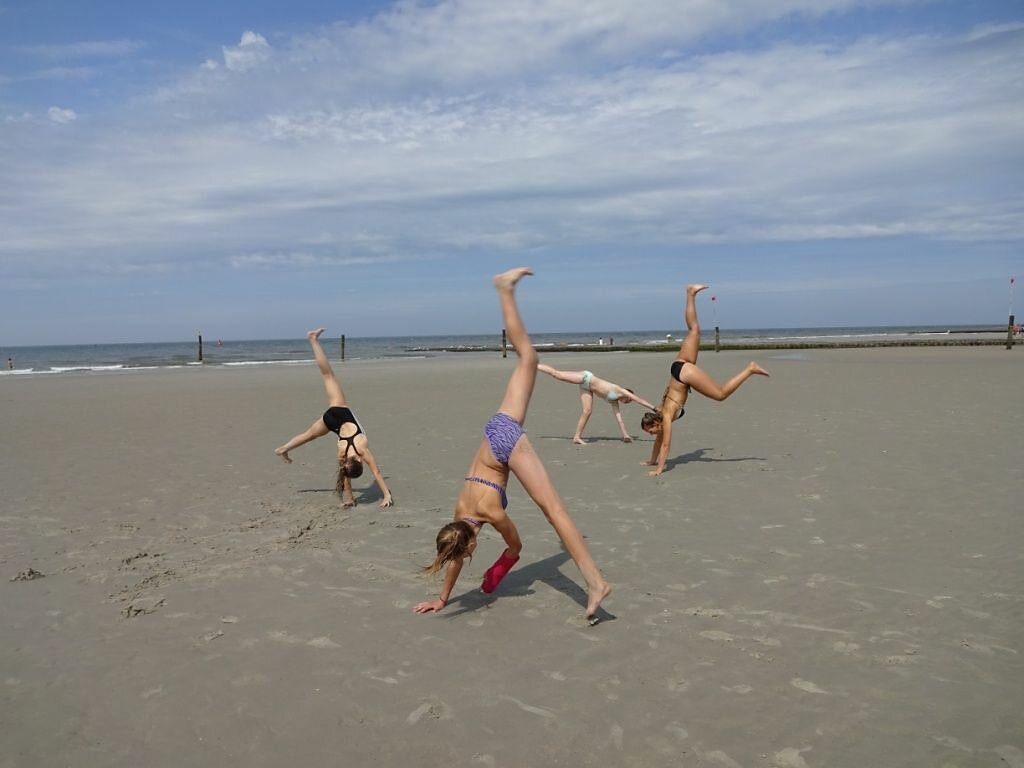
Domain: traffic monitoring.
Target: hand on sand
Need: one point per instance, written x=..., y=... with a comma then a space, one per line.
x=349, y=502
x=387, y=501
x=283, y=454
x=430, y=605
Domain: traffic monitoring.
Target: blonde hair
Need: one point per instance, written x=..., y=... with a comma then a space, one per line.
x=453, y=541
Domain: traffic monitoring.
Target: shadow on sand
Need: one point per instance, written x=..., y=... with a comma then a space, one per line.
x=520, y=582
x=699, y=455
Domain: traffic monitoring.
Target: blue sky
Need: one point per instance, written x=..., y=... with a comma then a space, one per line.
x=255, y=169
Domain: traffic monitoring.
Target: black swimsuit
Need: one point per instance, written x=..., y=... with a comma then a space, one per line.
x=336, y=417
x=675, y=370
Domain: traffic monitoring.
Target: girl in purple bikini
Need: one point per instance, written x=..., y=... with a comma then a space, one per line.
x=482, y=499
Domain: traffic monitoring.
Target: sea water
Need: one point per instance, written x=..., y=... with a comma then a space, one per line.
x=97, y=358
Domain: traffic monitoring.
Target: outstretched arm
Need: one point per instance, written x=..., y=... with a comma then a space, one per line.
x=655, y=450
x=637, y=398
x=510, y=534
x=371, y=462
x=622, y=424
x=500, y=568
x=451, y=575
x=661, y=446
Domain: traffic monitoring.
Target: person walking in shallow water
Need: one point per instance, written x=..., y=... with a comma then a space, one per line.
x=685, y=375
x=353, y=446
x=591, y=385
x=505, y=448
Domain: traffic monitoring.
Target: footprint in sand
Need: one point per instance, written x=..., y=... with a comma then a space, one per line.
x=616, y=736
x=678, y=731
x=435, y=710
x=806, y=685
x=741, y=689
x=790, y=758
x=714, y=634
x=323, y=642
x=848, y=649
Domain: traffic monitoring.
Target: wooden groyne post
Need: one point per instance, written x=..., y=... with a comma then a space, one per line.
x=718, y=342
x=343, y=346
x=200, y=347
x=1009, y=327
x=504, y=348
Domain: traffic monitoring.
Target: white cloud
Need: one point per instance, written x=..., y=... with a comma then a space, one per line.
x=250, y=52
x=84, y=49
x=295, y=260
x=473, y=127
x=61, y=116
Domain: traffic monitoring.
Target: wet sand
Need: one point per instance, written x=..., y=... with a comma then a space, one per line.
x=829, y=573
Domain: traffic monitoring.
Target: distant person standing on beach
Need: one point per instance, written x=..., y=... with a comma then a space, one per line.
x=591, y=385
x=353, y=447
x=10, y=363
x=482, y=498
x=686, y=375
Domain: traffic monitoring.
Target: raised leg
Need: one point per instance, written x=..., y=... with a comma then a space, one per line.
x=587, y=407
x=316, y=429
x=691, y=344
x=573, y=377
x=335, y=395
x=527, y=466
x=700, y=381
x=520, y=384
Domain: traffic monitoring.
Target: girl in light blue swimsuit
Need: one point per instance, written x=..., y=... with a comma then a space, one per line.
x=482, y=499
x=591, y=385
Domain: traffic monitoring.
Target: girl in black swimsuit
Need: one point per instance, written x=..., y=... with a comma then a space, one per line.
x=353, y=447
x=686, y=375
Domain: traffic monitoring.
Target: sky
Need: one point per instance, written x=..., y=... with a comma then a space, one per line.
x=255, y=169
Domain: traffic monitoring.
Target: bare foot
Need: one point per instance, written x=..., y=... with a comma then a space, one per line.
x=594, y=597
x=695, y=288
x=349, y=502
x=314, y=334
x=579, y=440
x=506, y=281
x=283, y=454
x=755, y=368
x=627, y=439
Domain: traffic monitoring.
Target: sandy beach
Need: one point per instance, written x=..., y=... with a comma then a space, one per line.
x=829, y=573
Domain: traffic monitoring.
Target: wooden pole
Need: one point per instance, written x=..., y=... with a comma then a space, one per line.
x=1009, y=327
x=200, y=347
x=504, y=348
x=343, y=346
x=716, y=339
